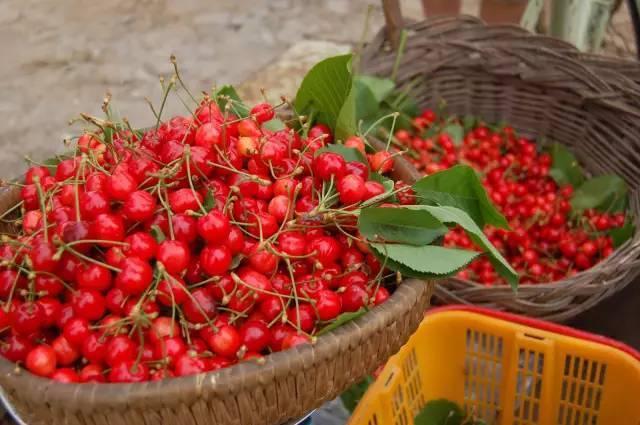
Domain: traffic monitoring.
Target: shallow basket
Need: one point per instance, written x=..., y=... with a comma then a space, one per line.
x=506, y=369
x=546, y=90
x=286, y=386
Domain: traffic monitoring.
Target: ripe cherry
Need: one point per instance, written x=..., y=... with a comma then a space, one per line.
x=381, y=161
x=255, y=336
x=120, y=349
x=225, y=342
x=327, y=165
x=354, y=298
x=93, y=276
x=26, y=318
x=76, y=330
x=326, y=249
x=262, y=112
x=172, y=291
x=41, y=361
x=141, y=245
x=214, y=227
x=121, y=185
x=129, y=372
x=139, y=206
x=88, y=304
x=174, y=255
x=107, y=227
x=92, y=373
x=135, y=276
x=200, y=307
x=351, y=189
x=215, y=260
x=328, y=304
x=186, y=364
x=302, y=316
x=94, y=348
x=66, y=353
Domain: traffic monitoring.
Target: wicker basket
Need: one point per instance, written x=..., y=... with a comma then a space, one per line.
x=287, y=385
x=547, y=90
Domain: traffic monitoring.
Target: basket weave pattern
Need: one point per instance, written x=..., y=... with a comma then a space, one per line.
x=546, y=90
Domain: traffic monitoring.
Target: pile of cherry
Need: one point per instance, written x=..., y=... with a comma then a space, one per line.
x=544, y=244
x=203, y=242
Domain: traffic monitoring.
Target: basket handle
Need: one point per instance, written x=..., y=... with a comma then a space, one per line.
x=394, y=21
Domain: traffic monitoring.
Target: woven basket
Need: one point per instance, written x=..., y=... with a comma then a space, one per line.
x=287, y=385
x=547, y=90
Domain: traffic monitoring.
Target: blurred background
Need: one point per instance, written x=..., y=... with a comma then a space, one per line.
x=60, y=57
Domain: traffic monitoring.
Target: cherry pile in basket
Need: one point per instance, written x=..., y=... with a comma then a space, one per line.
x=560, y=222
x=172, y=251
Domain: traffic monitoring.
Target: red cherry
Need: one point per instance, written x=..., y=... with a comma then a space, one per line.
x=278, y=333
x=93, y=276
x=115, y=300
x=170, y=348
x=200, y=307
x=381, y=295
x=66, y=353
x=302, y=316
x=262, y=112
x=162, y=327
x=214, y=227
x=66, y=169
x=107, y=227
x=328, y=304
x=129, y=372
x=222, y=288
x=225, y=342
x=255, y=336
x=120, y=349
x=135, y=276
x=41, y=361
x=328, y=164
x=92, y=373
x=42, y=256
x=93, y=203
x=94, y=348
x=381, y=162
x=40, y=171
x=354, y=298
x=263, y=261
x=292, y=243
x=215, y=260
x=15, y=348
x=27, y=318
x=51, y=309
x=320, y=132
x=294, y=340
x=139, y=206
x=255, y=282
x=189, y=365
x=351, y=189
x=235, y=240
x=184, y=228
x=76, y=330
x=88, y=304
x=327, y=250
x=141, y=245
x=208, y=135
x=355, y=142
x=174, y=255
x=172, y=291
x=271, y=307
x=120, y=185
x=262, y=225
x=183, y=200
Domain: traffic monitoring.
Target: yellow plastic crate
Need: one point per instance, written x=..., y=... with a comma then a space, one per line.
x=506, y=369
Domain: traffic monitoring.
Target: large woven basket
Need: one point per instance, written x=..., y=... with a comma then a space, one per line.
x=547, y=90
x=287, y=385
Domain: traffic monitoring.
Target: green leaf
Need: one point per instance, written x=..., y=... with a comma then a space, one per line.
x=352, y=396
x=460, y=187
x=456, y=132
x=228, y=93
x=325, y=89
x=157, y=233
x=401, y=225
x=622, y=234
x=423, y=262
x=347, y=121
x=341, y=320
x=605, y=193
x=366, y=104
x=209, y=201
x=469, y=122
x=440, y=412
x=274, y=125
x=565, y=168
x=452, y=215
x=381, y=88
x=349, y=154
